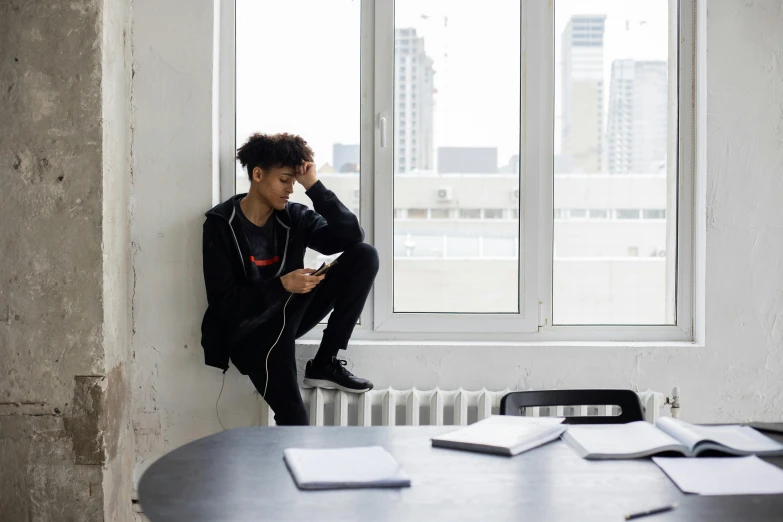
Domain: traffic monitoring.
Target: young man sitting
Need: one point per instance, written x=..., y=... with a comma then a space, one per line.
x=260, y=296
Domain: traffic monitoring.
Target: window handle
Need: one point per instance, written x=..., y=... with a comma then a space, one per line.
x=382, y=124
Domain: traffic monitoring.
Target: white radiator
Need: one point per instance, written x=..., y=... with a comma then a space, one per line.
x=390, y=407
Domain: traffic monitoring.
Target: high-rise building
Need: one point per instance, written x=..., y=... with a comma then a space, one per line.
x=413, y=103
x=345, y=157
x=582, y=91
x=638, y=116
x=512, y=167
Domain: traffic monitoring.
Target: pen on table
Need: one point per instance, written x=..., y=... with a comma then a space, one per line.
x=655, y=511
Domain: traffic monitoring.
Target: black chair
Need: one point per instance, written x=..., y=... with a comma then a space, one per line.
x=630, y=406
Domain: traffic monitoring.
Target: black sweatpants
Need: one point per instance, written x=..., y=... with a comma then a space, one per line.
x=343, y=292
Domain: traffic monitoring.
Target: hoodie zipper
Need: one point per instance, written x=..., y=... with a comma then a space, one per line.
x=285, y=248
x=239, y=252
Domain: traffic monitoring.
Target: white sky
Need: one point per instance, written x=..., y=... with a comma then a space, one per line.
x=298, y=64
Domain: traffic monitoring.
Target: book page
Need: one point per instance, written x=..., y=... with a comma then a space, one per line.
x=742, y=438
x=634, y=439
x=680, y=431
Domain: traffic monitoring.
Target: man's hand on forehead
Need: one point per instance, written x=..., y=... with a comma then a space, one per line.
x=305, y=174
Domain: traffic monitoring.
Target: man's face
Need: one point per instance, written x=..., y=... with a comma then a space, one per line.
x=275, y=185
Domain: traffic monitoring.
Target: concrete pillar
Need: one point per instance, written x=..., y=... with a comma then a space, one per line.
x=65, y=270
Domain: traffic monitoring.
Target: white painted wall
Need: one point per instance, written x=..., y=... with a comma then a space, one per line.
x=173, y=392
x=736, y=374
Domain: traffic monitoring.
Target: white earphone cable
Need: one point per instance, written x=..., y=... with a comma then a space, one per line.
x=266, y=362
x=218, y=400
x=266, y=368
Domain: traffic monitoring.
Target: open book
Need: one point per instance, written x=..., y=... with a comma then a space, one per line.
x=503, y=435
x=641, y=439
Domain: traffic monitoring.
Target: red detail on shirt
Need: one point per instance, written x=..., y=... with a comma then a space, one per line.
x=264, y=262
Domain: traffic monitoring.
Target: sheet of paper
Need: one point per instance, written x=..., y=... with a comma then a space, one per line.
x=370, y=466
x=723, y=475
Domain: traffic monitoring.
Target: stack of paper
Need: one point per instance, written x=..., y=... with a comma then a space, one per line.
x=503, y=435
x=365, y=467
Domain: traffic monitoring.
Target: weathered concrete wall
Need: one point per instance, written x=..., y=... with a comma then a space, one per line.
x=64, y=322
x=736, y=374
x=117, y=267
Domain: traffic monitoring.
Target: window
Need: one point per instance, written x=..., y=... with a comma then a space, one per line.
x=616, y=141
x=594, y=141
x=470, y=213
x=654, y=213
x=627, y=213
x=283, y=106
x=467, y=246
x=616, y=104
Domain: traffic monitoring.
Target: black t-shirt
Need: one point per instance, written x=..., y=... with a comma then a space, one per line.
x=263, y=253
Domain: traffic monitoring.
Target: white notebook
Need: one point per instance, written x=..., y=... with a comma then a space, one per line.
x=503, y=435
x=641, y=439
x=363, y=467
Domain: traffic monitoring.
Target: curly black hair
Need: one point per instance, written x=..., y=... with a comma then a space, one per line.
x=273, y=150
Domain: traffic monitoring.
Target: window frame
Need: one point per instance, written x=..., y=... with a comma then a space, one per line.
x=536, y=217
x=441, y=325
x=680, y=189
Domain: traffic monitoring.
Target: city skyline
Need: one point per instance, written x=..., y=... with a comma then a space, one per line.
x=590, y=145
x=636, y=30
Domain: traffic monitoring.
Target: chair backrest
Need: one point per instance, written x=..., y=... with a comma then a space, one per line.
x=628, y=401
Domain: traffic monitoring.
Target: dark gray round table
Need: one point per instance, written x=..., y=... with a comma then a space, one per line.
x=239, y=475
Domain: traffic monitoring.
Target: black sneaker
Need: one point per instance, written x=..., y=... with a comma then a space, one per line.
x=334, y=376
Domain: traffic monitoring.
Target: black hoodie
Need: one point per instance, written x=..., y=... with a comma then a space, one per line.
x=236, y=305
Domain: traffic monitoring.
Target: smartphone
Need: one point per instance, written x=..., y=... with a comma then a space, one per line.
x=323, y=268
